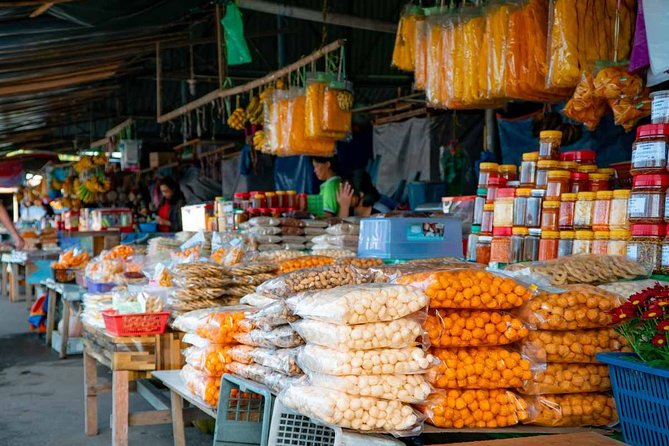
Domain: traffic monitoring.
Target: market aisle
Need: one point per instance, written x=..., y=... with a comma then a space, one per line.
x=42, y=397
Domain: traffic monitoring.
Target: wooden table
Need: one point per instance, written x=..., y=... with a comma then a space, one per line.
x=574, y=439
x=68, y=294
x=130, y=359
x=18, y=262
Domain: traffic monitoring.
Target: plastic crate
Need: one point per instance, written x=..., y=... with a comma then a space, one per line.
x=95, y=287
x=642, y=398
x=244, y=413
x=138, y=324
x=292, y=429
x=67, y=275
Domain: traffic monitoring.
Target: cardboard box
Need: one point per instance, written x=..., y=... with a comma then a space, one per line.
x=157, y=159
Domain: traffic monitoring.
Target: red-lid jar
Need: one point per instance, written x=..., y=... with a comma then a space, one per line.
x=253, y=212
x=649, y=151
x=494, y=184
x=646, y=203
x=645, y=245
x=580, y=182
x=582, y=157
x=500, y=249
x=302, y=202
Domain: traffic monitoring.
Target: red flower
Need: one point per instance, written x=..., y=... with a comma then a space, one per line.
x=638, y=298
x=663, y=326
x=623, y=312
x=659, y=340
x=652, y=312
x=664, y=302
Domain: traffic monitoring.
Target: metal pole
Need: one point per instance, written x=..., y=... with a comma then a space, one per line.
x=490, y=130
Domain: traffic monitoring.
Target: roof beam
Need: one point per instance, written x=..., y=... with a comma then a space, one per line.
x=313, y=15
x=42, y=9
x=30, y=3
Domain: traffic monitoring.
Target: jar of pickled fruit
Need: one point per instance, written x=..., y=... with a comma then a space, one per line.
x=583, y=242
x=500, y=251
x=584, y=210
x=567, y=208
x=508, y=171
x=258, y=200
x=602, y=210
x=483, y=245
x=569, y=166
x=494, y=184
x=550, y=218
x=543, y=167
x=534, y=207
x=618, y=242
x=580, y=182
x=528, y=169
x=531, y=245
x=487, y=171
x=549, y=144
x=599, y=181
x=548, y=246
x=645, y=245
x=518, y=236
x=580, y=157
x=487, y=219
x=272, y=199
x=291, y=199
x=566, y=243
x=618, y=211
x=587, y=168
x=520, y=206
x=649, y=151
x=600, y=244
x=503, y=208
x=646, y=203
x=557, y=184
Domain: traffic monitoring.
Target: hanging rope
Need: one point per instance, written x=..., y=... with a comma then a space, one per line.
x=325, y=26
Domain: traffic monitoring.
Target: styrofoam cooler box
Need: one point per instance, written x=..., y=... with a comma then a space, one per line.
x=406, y=238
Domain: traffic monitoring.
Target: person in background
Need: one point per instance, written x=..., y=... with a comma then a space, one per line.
x=7, y=222
x=358, y=197
x=169, y=211
x=326, y=171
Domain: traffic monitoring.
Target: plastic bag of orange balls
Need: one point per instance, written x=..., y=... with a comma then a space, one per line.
x=211, y=359
x=573, y=410
x=290, y=265
x=469, y=288
x=579, y=346
x=579, y=307
x=201, y=385
x=479, y=368
x=475, y=408
x=218, y=325
x=465, y=328
x=569, y=378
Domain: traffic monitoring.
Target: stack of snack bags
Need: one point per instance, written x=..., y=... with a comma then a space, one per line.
x=292, y=234
x=571, y=327
x=338, y=236
x=211, y=334
x=264, y=232
x=472, y=326
x=362, y=357
x=313, y=229
x=94, y=305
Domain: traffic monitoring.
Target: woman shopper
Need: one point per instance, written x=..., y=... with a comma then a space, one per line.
x=169, y=211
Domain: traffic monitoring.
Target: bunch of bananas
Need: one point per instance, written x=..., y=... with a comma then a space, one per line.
x=68, y=186
x=89, y=189
x=259, y=140
x=345, y=100
x=254, y=111
x=89, y=162
x=55, y=184
x=98, y=184
x=237, y=119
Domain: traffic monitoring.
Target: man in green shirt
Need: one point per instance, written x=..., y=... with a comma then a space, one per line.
x=326, y=171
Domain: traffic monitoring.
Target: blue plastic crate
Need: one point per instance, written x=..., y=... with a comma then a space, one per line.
x=642, y=398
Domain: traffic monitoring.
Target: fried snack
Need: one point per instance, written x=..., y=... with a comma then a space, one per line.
x=584, y=106
x=628, y=111
x=569, y=378
x=201, y=269
x=616, y=82
x=579, y=346
x=465, y=328
x=212, y=359
x=201, y=385
x=359, y=262
x=287, y=266
x=248, y=270
x=573, y=410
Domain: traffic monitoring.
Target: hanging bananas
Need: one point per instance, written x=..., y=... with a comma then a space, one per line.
x=254, y=111
x=345, y=100
x=237, y=119
x=259, y=140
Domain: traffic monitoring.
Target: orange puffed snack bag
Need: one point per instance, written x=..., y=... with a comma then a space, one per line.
x=211, y=359
x=289, y=265
x=479, y=368
x=572, y=346
x=569, y=378
x=475, y=408
x=574, y=410
x=469, y=288
x=218, y=325
x=463, y=328
x=201, y=385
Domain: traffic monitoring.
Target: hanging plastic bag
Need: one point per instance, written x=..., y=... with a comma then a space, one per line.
x=584, y=106
x=404, y=50
x=233, y=28
x=297, y=141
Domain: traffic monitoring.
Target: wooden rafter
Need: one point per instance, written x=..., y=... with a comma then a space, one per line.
x=44, y=7
x=29, y=3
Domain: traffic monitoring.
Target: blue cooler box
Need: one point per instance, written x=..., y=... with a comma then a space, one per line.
x=410, y=238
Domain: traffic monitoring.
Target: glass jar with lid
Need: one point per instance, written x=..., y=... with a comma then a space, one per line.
x=494, y=184
x=258, y=200
x=599, y=181
x=567, y=208
x=569, y=166
x=487, y=171
x=645, y=245
x=520, y=206
x=503, y=207
x=487, y=219
x=566, y=243
x=664, y=260
x=272, y=199
x=548, y=245
x=610, y=171
x=618, y=211
x=600, y=244
x=659, y=107
x=291, y=199
x=587, y=168
x=238, y=198
x=557, y=184
x=602, y=210
x=483, y=245
x=534, y=207
x=472, y=239
x=479, y=202
x=508, y=171
x=528, y=169
x=580, y=157
x=580, y=182
x=518, y=235
x=543, y=167
x=583, y=242
x=549, y=144
x=646, y=203
x=550, y=218
x=531, y=245
x=649, y=151
x=618, y=242
x=500, y=251
x=584, y=209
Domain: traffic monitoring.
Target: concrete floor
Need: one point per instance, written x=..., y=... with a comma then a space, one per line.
x=41, y=396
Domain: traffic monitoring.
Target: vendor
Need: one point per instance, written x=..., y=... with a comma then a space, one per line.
x=326, y=171
x=7, y=222
x=358, y=197
x=169, y=211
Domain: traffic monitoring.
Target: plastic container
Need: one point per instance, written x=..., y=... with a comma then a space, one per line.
x=487, y=171
x=580, y=182
x=587, y=168
x=487, y=219
x=649, y=151
x=95, y=287
x=639, y=390
x=602, y=210
x=291, y=199
x=272, y=200
x=645, y=245
x=138, y=324
x=472, y=239
x=500, y=248
x=584, y=210
x=503, y=208
x=618, y=211
x=646, y=203
x=659, y=107
x=528, y=169
x=567, y=207
x=569, y=166
x=583, y=242
x=531, y=245
x=520, y=206
x=557, y=184
x=534, y=207
x=258, y=200
x=483, y=247
x=543, y=167
x=600, y=245
x=618, y=242
x=479, y=202
x=599, y=182
x=566, y=243
x=508, y=171
x=664, y=261
x=580, y=157
x=549, y=144
x=518, y=235
x=148, y=228
x=494, y=184
x=548, y=246
x=550, y=216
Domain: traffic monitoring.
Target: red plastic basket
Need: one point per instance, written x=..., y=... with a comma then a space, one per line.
x=138, y=324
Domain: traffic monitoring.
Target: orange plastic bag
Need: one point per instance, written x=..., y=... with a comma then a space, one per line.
x=421, y=48
x=297, y=141
x=337, y=104
x=404, y=50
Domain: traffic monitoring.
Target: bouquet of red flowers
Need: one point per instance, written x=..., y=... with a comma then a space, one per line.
x=644, y=322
